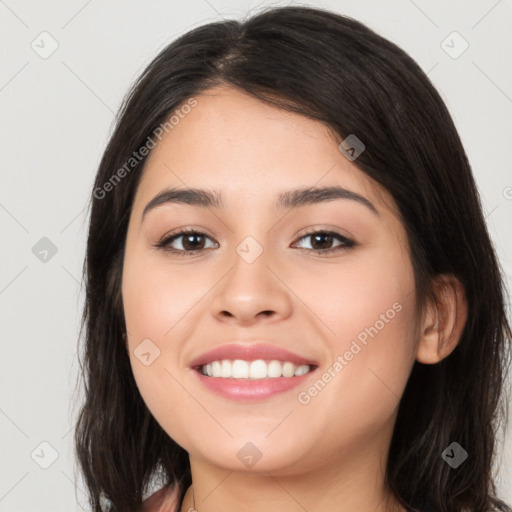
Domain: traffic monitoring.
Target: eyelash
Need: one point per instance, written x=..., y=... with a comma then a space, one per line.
x=346, y=242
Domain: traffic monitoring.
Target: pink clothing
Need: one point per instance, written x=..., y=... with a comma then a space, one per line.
x=164, y=500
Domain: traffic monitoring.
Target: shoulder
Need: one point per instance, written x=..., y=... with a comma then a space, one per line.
x=164, y=500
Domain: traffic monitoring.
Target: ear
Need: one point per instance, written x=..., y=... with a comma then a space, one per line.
x=444, y=320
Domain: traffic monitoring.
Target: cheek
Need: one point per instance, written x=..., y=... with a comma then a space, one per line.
x=158, y=305
x=153, y=304
x=157, y=299
x=373, y=303
x=370, y=310
x=372, y=288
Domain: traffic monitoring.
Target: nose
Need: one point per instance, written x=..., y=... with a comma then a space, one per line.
x=252, y=292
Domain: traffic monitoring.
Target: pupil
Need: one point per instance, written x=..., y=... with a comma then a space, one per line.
x=192, y=246
x=321, y=236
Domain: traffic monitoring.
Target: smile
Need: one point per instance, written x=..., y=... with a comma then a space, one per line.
x=254, y=371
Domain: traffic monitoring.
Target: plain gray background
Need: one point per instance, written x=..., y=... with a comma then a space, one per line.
x=57, y=114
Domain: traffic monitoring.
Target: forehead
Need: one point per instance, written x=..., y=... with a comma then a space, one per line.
x=233, y=142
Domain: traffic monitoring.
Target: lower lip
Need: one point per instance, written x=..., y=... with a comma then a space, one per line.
x=255, y=389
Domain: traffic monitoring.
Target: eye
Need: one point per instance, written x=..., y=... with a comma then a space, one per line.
x=321, y=241
x=192, y=243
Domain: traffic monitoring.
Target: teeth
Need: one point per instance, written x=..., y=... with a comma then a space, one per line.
x=225, y=369
x=257, y=369
x=239, y=370
x=254, y=370
x=288, y=369
x=302, y=370
x=274, y=369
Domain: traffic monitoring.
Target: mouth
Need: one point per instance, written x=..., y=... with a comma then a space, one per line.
x=251, y=372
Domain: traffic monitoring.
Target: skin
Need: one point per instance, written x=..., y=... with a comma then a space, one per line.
x=330, y=453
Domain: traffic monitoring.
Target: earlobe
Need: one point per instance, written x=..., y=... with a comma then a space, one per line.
x=444, y=320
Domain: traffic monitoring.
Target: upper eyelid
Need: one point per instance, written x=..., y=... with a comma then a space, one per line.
x=198, y=229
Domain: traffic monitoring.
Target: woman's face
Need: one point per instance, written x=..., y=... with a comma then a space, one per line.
x=258, y=278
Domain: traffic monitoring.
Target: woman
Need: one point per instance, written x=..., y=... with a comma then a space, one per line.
x=293, y=302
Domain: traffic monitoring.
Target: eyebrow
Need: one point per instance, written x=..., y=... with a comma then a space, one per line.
x=290, y=199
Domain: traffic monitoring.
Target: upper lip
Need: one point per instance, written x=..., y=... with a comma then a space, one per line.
x=250, y=353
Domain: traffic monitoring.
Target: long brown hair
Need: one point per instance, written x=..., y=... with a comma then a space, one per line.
x=336, y=70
